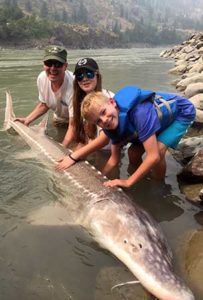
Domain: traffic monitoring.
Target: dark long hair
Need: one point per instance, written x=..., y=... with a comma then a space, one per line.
x=83, y=130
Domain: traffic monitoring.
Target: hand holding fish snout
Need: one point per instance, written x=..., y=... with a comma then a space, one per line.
x=25, y=121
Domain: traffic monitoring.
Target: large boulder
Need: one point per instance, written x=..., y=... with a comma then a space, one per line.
x=200, y=50
x=175, y=81
x=180, y=69
x=197, y=67
x=193, y=171
x=187, y=148
x=197, y=100
x=180, y=56
x=181, y=86
x=180, y=62
x=193, y=89
x=199, y=116
x=199, y=45
x=193, y=56
x=188, y=49
x=186, y=75
x=192, y=191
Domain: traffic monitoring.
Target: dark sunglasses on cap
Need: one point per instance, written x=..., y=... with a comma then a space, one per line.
x=54, y=63
x=81, y=75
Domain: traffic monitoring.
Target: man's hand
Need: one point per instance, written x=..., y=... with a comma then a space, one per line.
x=23, y=120
x=118, y=182
x=64, y=163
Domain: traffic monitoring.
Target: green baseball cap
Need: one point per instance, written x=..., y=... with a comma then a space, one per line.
x=55, y=52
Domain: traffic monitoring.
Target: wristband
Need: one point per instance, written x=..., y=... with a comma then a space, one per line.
x=74, y=159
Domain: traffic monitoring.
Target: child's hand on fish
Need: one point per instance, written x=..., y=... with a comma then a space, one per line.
x=65, y=163
x=117, y=182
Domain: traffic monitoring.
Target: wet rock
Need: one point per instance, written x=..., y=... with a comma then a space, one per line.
x=201, y=195
x=197, y=100
x=164, y=53
x=200, y=51
x=187, y=75
x=199, y=217
x=175, y=82
x=187, y=148
x=198, y=67
x=190, y=177
x=180, y=69
x=193, y=89
x=192, y=192
x=199, y=45
x=181, y=85
x=188, y=49
x=188, y=59
x=180, y=62
x=193, y=171
x=199, y=115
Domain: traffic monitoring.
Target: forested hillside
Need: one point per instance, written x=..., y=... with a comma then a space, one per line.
x=96, y=23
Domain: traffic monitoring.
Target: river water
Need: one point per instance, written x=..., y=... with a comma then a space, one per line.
x=62, y=262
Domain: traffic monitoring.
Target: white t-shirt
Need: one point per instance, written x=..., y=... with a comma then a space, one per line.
x=60, y=102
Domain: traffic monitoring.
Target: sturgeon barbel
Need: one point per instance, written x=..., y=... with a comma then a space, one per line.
x=110, y=216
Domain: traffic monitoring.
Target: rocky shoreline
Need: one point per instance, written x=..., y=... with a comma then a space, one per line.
x=188, y=58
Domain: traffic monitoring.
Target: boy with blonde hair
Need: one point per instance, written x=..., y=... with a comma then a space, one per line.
x=151, y=122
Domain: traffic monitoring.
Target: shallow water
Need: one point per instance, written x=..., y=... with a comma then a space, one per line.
x=62, y=262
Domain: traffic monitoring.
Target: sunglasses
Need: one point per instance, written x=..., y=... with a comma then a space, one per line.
x=54, y=63
x=89, y=74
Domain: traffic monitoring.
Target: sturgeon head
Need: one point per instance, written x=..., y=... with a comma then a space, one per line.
x=135, y=238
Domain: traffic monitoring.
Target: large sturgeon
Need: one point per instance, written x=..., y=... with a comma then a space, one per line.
x=114, y=221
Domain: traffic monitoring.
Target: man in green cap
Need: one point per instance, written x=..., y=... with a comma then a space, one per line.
x=55, y=87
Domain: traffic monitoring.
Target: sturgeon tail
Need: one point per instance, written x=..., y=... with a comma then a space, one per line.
x=10, y=117
x=9, y=114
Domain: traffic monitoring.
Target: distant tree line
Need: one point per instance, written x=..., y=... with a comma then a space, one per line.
x=150, y=34
x=16, y=27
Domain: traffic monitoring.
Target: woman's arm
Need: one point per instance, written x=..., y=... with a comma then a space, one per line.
x=91, y=147
x=70, y=134
x=152, y=158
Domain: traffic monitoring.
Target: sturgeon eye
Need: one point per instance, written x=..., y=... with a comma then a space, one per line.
x=125, y=241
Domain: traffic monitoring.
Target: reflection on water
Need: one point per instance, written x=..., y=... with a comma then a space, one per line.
x=60, y=260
